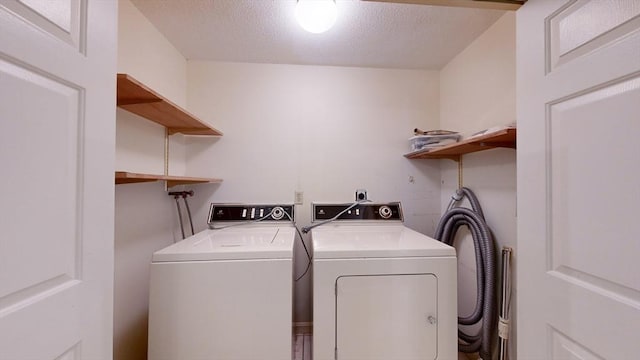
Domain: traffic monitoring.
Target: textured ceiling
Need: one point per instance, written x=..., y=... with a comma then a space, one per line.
x=366, y=34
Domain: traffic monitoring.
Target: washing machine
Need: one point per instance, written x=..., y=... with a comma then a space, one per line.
x=380, y=290
x=226, y=293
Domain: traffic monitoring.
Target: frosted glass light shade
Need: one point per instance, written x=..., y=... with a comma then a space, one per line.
x=316, y=16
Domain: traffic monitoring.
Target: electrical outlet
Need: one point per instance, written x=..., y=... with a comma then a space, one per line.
x=298, y=197
x=361, y=194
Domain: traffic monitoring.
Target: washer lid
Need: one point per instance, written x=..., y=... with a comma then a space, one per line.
x=374, y=241
x=234, y=243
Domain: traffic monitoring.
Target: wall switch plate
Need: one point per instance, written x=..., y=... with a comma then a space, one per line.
x=298, y=197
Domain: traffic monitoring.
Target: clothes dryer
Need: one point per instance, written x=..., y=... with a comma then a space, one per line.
x=226, y=293
x=380, y=290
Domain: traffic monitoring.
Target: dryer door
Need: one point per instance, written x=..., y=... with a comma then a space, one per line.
x=382, y=317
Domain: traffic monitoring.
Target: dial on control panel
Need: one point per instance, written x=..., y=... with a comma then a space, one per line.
x=277, y=213
x=385, y=211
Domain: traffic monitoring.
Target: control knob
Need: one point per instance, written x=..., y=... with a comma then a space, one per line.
x=385, y=212
x=277, y=213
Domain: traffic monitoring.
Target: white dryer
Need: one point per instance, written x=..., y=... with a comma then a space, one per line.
x=380, y=290
x=226, y=293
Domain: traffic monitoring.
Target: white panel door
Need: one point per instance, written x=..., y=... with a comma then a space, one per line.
x=57, y=112
x=578, y=176
x=382, y=317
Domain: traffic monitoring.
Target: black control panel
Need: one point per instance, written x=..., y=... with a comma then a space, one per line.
x=247, y=212
x=364, y=211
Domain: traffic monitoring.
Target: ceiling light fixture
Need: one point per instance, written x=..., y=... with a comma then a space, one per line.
x=316, y=16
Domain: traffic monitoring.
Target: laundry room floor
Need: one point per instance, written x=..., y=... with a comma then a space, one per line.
x=463, y=356
x=302, y=348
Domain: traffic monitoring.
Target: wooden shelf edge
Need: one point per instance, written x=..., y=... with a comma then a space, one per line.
x=135, y=97
x=194, y=131
x=123, y=177
x=504, y=138
x=186, y=180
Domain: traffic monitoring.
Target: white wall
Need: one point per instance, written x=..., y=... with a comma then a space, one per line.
x=326, y=131
x=147, y=56
x=477, y=91
x=145, y=219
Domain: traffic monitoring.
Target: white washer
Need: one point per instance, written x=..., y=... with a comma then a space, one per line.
x=380, y=289
x=225, y=294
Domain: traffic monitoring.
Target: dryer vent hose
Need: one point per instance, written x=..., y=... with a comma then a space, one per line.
x=486, y=301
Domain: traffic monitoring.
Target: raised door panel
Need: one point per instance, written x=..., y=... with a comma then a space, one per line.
x=593, y=173
x=62, y=19
x=36, y=141
x=40, y=263
x=381, y=317
x=563, y=347
x=578, y=28
x=592, y=250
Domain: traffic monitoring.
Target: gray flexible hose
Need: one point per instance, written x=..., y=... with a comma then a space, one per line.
x=486, y=301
